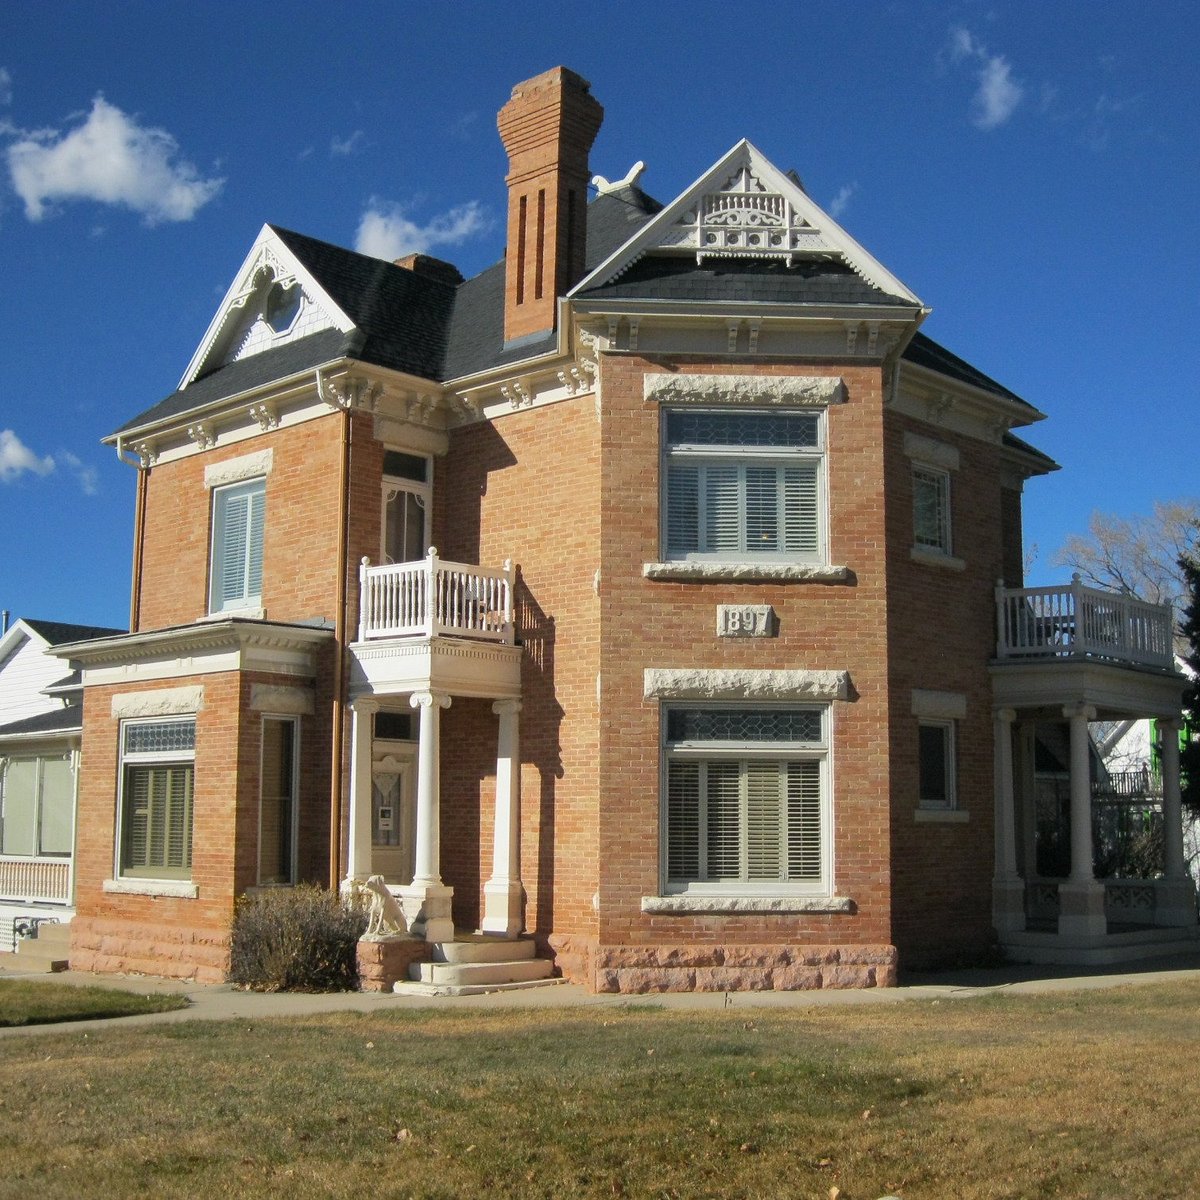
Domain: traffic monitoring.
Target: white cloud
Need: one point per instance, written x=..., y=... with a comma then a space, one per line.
x=998, y=94
x=839, y=203
x=5, y=86
x=385, y=230
x=111, y=159
x=344, y=147
x=16, y=459
x=88, y=477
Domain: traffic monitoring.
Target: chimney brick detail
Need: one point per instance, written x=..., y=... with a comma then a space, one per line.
x=547, y=127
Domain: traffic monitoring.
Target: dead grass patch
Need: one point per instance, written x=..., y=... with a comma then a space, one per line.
x=1087, y=1095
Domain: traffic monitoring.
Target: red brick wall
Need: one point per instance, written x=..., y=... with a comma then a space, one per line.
x=300, y=536
x=821, y=627
x=942, y=635
x=170, y=935
x=526, y=486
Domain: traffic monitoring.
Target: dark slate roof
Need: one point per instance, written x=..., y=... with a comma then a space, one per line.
x=925, y=352
x=256, y=371
x=58, y=720
x=1015, y=443
x=476, y=334
x=410, y=322
x=58, y=633
x=766, y=281
x=401, y=314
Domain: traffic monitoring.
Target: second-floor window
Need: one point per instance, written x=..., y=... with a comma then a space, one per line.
x=743, y=485
x=237, y=546
x=931, y=509
x=406, y=495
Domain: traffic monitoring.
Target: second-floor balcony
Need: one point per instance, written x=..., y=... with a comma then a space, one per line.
x=435, y=598
x=1078, y=622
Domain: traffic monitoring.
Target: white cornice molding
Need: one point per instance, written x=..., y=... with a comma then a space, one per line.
x=804, y=390
x=697, y=683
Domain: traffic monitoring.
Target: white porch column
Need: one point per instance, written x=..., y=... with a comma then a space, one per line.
x=1175, y=896
x=1008, y=888
x=503, y=894
x=427, y=901
x=358, y=857
x=1081, y=897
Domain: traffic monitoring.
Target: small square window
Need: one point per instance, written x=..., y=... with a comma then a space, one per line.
x=936, y=764
x=931, y=509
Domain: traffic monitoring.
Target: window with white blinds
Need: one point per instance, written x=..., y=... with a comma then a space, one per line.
x=157, y=780
x=743, y=483
x=237, y=546
x=746, y=800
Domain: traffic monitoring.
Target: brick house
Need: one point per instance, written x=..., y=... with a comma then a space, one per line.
x=702, y=686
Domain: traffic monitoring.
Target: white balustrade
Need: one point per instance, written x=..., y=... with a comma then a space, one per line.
x=433, y=597
x=1081, y=622
x=35, y=880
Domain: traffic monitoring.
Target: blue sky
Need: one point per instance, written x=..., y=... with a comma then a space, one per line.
x=1031, y=170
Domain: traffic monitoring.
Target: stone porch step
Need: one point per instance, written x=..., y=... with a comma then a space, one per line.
x=46, y=953
x=481, y=974
x=483, y=948
x=411, y=988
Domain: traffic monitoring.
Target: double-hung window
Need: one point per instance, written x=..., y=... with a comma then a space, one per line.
x=746, y=803
x=743, y=485
x=37, y=806
x=157, y=773
x=936, y=763
x=237, y=546
x=931, y=509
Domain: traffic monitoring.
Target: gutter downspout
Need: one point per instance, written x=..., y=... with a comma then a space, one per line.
x=339, y=669
x=139, y=532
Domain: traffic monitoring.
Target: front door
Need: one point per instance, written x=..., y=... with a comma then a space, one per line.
x=394, y=811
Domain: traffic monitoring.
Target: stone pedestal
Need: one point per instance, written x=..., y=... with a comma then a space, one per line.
x=427, y=910
x=1081, y=909
x=1008, y=905
x=384, y=961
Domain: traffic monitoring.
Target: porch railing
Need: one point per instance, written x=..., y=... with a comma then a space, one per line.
x=35, y=880
x=432, y=597
x=1082, y=622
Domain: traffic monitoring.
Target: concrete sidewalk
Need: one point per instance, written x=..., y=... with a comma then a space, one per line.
x=223, y=1002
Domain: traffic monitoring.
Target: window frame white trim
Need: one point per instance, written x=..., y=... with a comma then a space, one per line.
x=392, y=485
x=294, y=832
x=820, y=752
x=136, y=883
x=247, y=603
x=949, y=728
x=743, y=456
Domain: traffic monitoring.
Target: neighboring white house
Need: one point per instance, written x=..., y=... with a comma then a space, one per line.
x=41, y=722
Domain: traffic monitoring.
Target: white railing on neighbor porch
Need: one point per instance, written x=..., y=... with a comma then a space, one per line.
x=1082, y=622
x=432, y=597
x=35, y=880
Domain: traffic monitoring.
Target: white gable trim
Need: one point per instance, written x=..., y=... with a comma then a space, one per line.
x=816, y=231
x=267, y=253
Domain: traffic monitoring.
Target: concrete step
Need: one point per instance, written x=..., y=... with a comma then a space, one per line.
x=405, y=987
x=483, y=948
x=46, y=953
x=481, y=974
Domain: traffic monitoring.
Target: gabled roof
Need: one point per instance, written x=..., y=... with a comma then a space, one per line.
x=744, y=209
x=59, y=720
x=376, y=312
x=58, y=633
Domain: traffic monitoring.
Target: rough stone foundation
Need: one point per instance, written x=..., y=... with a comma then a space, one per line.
x=112, y=946
x=641, y=969
x=385, y=961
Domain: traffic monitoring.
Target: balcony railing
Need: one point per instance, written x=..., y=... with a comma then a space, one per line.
x=432, y=597
x=35, y=880
x=1082, y=622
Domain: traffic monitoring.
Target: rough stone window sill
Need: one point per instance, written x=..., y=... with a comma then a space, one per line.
x=241, y=614
x=702, y=905
x=743, y=572
x=181, y=889
x=934, y=558
x=943, y=816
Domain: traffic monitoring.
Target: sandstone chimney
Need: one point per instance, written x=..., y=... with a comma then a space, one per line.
x=547, y=127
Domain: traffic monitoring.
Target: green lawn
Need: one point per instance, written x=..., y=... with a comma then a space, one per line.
x=1087, y=1095
x=26, y=1003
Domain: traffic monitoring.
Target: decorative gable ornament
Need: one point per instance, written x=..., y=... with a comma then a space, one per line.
x=272, y=300
x=745, y=207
